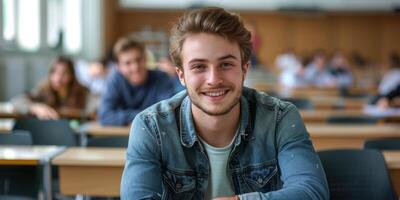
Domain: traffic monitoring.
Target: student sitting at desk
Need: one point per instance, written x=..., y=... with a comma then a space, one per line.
x=391, y=99
x=131, y=88
x=59, y=92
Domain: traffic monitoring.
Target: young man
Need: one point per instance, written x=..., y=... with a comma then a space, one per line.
x=219, y=140
x=131, y=88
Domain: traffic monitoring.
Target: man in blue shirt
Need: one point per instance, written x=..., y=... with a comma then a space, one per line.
x=131, y=87
x=219, y=140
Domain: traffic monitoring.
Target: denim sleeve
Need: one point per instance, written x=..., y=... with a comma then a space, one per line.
x=141, y=178
x=301, y=170
x=109, y=113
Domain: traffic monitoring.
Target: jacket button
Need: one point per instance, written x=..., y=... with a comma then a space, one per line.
x=178, y=186
x=260, y=180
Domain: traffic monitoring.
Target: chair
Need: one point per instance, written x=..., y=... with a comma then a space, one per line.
x=352, y=120
x=383, y=144
x=303, y=104
x=48, y=132
x=357, y=174
x=114, y=141
x=18, y=182
x=18, y=137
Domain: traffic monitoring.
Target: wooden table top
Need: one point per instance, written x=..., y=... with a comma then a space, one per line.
x=353, y=131
x=81, y=156
x=6, y=125
x=95, y=129
x=26, y=155
x=392, y=159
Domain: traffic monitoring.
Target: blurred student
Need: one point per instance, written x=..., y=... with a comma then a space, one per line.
x=132, y=87
x=165, y=65
x=340, y=70
x=59, y=92
x=391, y=78
x=317, y=74
x=291, y=69
x=391, y=99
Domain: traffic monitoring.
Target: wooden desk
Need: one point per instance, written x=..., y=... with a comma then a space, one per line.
x=325, y=136
x=7, y=111
x=97, y=171
x=332, y=103
x=393, y=163
x=322, y=116
x=6, y=125
x=95, y=129
x=31, y=156
x=91, y=171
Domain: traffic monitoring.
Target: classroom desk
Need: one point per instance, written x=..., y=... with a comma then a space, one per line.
x=321, y=116
x=393, y=163
x=95, y=129
x=7, y=111
x=333, y=103
x=97, y=171
x=6, y=125
x=31, y=156
x=90, y=171
x=329, y=136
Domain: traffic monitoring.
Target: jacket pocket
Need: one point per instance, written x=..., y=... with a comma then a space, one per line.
x=261, y=177
x=178, y=184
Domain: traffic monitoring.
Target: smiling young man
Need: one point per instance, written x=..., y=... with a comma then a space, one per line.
x=131, y=88
x=219, y=140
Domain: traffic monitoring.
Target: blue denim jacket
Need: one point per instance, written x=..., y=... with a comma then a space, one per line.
x=272, y=157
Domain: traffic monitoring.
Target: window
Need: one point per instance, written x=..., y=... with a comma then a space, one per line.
x=73, y=25
x=34, y=25
x=8, y=10
x=28, y=35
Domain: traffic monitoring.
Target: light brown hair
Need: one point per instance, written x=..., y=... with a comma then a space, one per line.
x=210, y=20
x=125, y=44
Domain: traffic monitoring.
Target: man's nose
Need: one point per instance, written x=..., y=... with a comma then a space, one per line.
x=214, y=76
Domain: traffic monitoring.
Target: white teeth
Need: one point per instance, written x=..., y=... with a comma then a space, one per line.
x=215, y=94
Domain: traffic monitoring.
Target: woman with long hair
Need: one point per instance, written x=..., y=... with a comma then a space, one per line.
x=59, y=92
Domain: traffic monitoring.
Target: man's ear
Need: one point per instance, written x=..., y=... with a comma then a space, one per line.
x=245, y=69
x=181, y=76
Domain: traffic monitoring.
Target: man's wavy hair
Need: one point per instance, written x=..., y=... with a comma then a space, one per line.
x=209, y=20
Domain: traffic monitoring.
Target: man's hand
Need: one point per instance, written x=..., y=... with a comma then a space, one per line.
x=43, y=111
x=236, y=197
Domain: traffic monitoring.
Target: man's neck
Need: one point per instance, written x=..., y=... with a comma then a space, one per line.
x=217, y=131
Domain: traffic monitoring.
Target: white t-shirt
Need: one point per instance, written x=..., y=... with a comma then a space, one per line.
x=220, y=183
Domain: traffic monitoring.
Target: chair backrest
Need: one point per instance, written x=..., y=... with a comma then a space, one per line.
x=352, y=120
x=300, y=103
x=383, y=144
x=19, y=181
x=357, y=174
x=48, y=132
x=114, y=141
x=17, y=137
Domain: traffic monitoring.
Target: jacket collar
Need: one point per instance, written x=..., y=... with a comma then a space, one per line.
x=188, y=131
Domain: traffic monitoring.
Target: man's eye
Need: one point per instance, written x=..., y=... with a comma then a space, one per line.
x=227, y=65
x=198, y=67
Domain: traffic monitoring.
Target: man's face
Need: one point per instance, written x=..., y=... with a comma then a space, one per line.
x=132, y=65
x=212, y=73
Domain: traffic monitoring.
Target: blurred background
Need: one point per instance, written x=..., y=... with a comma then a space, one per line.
x=34, y=32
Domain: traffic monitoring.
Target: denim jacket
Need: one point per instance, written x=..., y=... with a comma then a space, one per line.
x=272, y=157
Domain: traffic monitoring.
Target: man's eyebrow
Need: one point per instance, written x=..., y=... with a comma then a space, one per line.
x=221, y=58
x=227, y=57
